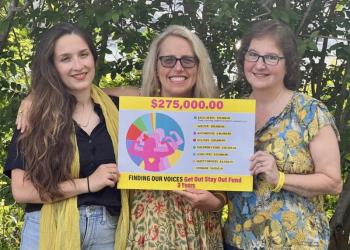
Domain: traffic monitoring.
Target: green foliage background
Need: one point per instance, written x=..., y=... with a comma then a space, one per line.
x=123, y=30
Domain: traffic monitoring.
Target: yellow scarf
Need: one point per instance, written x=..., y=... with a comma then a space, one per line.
x=59, y=221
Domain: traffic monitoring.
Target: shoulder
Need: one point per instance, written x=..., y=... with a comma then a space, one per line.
x=306, y=103
x=306, y=100
x=312, y=114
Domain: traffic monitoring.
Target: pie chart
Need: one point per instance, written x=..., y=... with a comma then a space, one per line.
x=155, y=142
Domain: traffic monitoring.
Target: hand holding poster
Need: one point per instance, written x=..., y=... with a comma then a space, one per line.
x=177, y=143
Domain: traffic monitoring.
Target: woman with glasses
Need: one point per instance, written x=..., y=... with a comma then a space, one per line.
x=297, y=155
x=177, y=65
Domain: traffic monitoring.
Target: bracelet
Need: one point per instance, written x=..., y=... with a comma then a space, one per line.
x=88, y=184
x=222, y=197
x=280, y=183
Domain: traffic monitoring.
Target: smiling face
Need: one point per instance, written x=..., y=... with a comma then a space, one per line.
x=259, y=74
x=176, y=81
x=74, y=63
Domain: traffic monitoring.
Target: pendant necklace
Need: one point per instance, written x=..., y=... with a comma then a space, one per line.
x=88, y=120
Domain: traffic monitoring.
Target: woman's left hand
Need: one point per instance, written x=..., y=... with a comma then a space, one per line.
x=22, y=114
x=202, y=199
x=264, y=163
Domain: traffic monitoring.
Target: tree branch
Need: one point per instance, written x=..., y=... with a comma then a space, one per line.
x=267, y=4
x=305, y=16
x=10, y=15
x=13, y=8
x=340, y=222
x=22, y=59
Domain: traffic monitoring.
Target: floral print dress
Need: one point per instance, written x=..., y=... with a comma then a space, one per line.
x=164, y=220
x=284, y=220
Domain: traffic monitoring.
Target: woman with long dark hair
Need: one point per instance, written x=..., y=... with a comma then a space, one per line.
x=63, y=167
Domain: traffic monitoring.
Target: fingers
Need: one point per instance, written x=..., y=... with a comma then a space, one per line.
x=259, y=154
x=113, y=177
x=201, y=199
x=19, y=119
x=193, y=196
x=264, y=164
x=22, y=121
x=106, y=175
x=260, y=164
x=188, y=196
x=179, y=192
x=22, y=115
x=112, y=172
x=185, y=193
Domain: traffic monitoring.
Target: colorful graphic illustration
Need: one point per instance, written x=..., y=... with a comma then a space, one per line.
x=175, y=143
x=155, y=142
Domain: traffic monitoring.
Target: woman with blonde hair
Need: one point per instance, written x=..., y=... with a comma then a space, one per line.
x=205, y=84
x=177, y=65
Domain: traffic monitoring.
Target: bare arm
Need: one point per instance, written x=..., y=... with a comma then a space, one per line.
x=327, y=177
x=326, y=157
x=24, y=191
x=24, y=108
x=122, y=91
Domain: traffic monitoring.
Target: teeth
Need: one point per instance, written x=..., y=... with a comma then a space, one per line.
x=260, y=75
x=177, y=78
x=79, y=76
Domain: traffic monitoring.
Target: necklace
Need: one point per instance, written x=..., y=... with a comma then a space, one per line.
x=84, y=125
x=267, y=112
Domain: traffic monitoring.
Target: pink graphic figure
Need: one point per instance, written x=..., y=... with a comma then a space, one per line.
x=175, y=143
x=154, y=149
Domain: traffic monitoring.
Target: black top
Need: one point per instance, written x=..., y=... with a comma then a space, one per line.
x=94, y=150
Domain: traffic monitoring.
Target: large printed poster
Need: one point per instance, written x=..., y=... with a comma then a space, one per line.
x=177, y=143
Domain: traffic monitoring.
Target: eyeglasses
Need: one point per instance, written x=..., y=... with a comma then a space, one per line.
x=185, y=61
x=271, y=59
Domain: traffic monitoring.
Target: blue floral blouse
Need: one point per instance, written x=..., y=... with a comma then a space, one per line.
x=284, y=220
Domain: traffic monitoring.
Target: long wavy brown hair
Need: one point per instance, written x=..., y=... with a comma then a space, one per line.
x=46, y=146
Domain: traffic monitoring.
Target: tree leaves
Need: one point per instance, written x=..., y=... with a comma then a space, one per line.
x=322, y=30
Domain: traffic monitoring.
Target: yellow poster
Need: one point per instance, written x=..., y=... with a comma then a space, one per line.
x=178, y=143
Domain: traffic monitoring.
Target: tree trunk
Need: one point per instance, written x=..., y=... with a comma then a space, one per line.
x=10, y=16
x=340, y=222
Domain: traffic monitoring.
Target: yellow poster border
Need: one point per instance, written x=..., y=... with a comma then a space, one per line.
x=179, y=104
x=181, y=181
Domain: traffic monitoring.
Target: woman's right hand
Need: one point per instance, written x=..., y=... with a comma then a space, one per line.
x=106, y=175
x=201, y=199
x=265, y=164
x=22, y=115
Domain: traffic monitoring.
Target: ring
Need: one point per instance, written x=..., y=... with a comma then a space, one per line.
x=21, y=111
